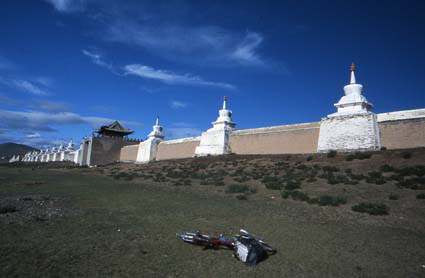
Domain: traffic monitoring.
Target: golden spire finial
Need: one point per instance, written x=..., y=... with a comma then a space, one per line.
x=224, y=98
x=353, y=67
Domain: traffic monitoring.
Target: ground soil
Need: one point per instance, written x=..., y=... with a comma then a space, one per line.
x=120, y=220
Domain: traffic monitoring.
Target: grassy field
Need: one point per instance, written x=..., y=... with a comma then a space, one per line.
x=120, y=220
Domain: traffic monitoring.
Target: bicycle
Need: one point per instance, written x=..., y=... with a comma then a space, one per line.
x=246, y=247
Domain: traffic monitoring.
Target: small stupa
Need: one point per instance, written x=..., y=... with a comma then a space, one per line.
x=156, y=130
x=148, y=148
x=215, y=141
x=70, y=146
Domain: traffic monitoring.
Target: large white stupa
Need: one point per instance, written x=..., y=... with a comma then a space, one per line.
x=353, y=102
x=353, y=126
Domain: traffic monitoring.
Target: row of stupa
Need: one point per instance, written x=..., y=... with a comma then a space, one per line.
x=353, y=127
x=60, y=153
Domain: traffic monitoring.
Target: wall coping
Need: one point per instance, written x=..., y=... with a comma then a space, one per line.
x=131, y=146
x=181, y=140
x=401, y=115
x=270, y=129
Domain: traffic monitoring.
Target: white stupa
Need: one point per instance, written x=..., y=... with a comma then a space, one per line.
x=353, y=102
x=353, y=126
x=46, y=155
x=156, y=130
x=148, y=148
x=70, y=146
x=215, y=141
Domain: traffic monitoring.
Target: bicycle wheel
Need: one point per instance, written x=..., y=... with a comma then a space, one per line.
x=267, y=247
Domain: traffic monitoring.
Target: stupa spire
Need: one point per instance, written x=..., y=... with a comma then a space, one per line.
x=353, y=77
x=156, y=130
x=224, y=102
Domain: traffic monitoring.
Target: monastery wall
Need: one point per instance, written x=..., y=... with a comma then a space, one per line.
x=129, y=153
x=297, y=138
x=402, y=129
x=180, y=148
x=105, y=150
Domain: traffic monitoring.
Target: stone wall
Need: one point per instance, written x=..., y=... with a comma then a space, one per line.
x=105, y=150
x=350, y=132
x=180, y=148
x=403, y=134
x=129, y=153
x=402, y=129
x=297, y=138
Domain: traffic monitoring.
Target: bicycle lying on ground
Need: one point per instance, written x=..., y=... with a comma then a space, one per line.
x=246, y=247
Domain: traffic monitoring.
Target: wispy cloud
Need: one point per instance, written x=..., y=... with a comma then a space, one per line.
x=245, y=52
x=28, y=87
x=45, y=81
x=177, y=104
x=35, y=104
x=33, y=135
x=156, y=74
x=34, y=121
x=68, y=6
x=209, y=45
x=97, y=59
x=32, y=139
x=50, y=105
x=36, y=128
x=171, y=77
x=24, y=85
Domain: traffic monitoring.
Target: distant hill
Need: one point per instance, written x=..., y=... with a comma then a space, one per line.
x=10, y=149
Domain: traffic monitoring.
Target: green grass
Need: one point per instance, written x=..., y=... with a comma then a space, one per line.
x=371, y=208
x=7, y=209
x=237, y=188
x=393, y=197
x=327, y=200
x=359, y=156
x=331, y=154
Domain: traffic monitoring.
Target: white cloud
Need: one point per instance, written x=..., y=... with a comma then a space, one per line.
x=33, y=135
x=49, y=105
x=33, y=121
x=34, y=141
x=151, y=73
x=25, y=86
x=38, y=104
x=68, y=6
x=245, y=51
x=45, y=81
x=29, y=87
x=177, y=104
x=99, y=60
x=170, y=77
x=96, y=58
x=210, y=45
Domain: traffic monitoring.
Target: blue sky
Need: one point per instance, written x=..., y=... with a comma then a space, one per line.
x=68, y=66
